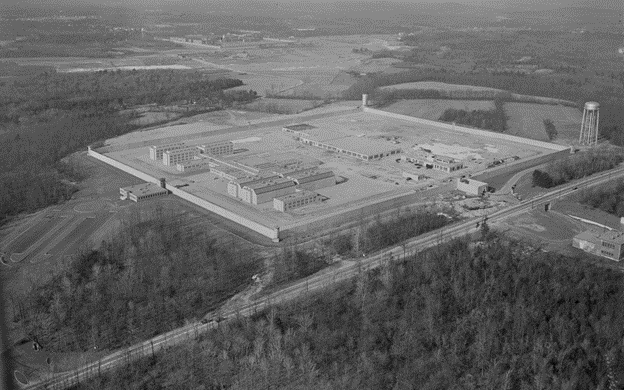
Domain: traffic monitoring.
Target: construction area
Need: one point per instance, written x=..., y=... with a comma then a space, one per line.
x=285, y=177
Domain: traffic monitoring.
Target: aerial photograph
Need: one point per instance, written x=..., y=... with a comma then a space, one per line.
x=319, y=195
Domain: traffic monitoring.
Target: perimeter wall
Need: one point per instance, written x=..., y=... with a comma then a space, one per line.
x=272, y=233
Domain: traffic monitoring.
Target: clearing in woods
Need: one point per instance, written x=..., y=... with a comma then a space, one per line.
x=526, y=120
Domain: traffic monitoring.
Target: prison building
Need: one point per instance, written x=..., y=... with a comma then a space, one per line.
x=298, y=199
x=298, y=129
x=313, y=179
x=471, y=187
x=609, y=243
x=141, y=191
x=446, y=164
x=172, y=157
x=361, y=148
x=156, y=151
x=229, y=173
x=264, y=191
x=193, y=165
x=217, y=148
x=235, y=186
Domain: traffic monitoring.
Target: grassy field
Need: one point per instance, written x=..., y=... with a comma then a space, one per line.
x=432, y=109
x=526, y=120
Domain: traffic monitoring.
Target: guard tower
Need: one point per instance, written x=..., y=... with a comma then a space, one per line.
x=589, y=125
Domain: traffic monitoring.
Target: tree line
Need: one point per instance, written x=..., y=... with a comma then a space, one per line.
x=494, y=119
x=608, y=199
x=577, y=166
x=499, y=315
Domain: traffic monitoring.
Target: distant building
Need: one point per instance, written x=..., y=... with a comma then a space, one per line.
x=141, y=191
x=266, y=190
x=172, y=157
x=218, y=148
x=296, y=129
x=193, y=165
x=298, y=199
x=605, y=243
x=472, y=187
x=156, y=151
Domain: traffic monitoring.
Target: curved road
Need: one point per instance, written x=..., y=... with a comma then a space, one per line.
x=313, y=283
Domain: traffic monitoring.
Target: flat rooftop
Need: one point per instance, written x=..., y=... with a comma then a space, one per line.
x=612, y=235
x=297, y=195
x=144, y=189
x=300, y=127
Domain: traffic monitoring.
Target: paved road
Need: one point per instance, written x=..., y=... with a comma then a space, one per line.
x=316, y=282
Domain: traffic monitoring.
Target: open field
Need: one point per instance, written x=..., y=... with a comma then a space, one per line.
x=526, y=120
x=432, y=109
x=27, y=238
x=370, y=181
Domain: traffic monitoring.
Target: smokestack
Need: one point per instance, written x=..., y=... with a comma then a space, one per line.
x=365, y=100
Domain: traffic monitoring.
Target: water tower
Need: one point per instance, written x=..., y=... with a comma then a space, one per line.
x=589, y=125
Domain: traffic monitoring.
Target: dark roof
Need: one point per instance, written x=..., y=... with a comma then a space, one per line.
x=300, y=127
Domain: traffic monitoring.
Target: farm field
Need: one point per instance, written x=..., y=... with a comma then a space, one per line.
x=526, y=120
x=432, y=109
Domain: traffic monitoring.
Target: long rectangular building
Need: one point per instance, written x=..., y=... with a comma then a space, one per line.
x=313, y=179
x=156, y=151
x=264, y=191
x=298, y=199
x=141, y=191
x=361, y=148
x=193, y=165
x=235, y=186
x=217, y=148
x=172, y=157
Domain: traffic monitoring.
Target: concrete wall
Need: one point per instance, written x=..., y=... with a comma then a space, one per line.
x=271, y=232
x=482, y=133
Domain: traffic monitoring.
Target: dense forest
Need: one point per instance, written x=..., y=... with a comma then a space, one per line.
x=494, y=119
x=576, y=88
x=500, y=315
x=577, y=166
x=609, y=199
x=46, y=117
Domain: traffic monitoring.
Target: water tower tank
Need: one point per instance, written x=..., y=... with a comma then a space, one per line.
x=364, y=100
x=589, y=124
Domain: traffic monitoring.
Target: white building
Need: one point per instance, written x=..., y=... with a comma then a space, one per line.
x=217, y=148
x=156, y=151
x=235, y=186
x=472, y=187
x=313, y=179
x=141, y=191
x=264, y=191
x=172, y=157
x=298, y=199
